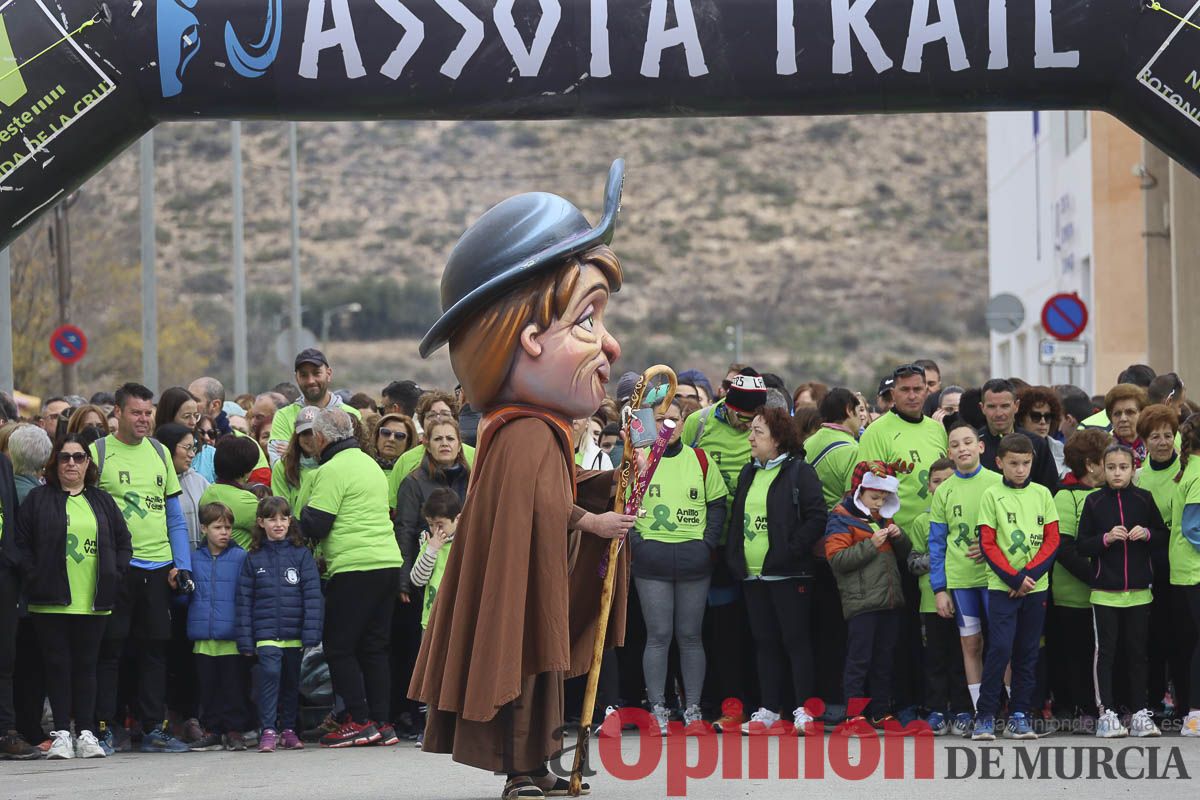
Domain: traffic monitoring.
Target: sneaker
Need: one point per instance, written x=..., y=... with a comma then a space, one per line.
x=599, y=729
x=801, y=720
x=160, y=741
x=731, y=716
x=1019, y=727
x=350, y=734
x=886, y=721
x=1142, y=724
x=44, y=746
x=420, y=740
x=250, y=737
x=328, y=725
x=760, y=722
x=1109, y=726
x=61, y=745
x=106, y=740
x=192, y=732
x=937, y=724
x=662, y=717
x=387, y=735
x=984, y=729
x=692, y=714
x=961, y=725
x=235, y=742
x=266, y=742
x=1191, y=724
x=88, y=746
x=208, y=743
x=288, y=740
x=14, y=747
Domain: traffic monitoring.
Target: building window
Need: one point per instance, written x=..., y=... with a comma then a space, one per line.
x=1075, y=128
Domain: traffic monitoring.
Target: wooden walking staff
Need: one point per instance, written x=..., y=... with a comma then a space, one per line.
x=625, y=479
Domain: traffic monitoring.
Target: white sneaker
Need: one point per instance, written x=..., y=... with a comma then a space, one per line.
x=800, y=718
x=662, y=716
x=88, y=746
x=1142, y=724
x=602, y=731
x=760, y=722
x=62, y=747
x=692, y=714
x=1191, y=724
x=1109, y=726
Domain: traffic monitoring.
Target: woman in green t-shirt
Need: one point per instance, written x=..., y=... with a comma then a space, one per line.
x=74, y=548
x=291, y=476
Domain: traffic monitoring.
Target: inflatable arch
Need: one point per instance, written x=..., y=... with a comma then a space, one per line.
x=80, y=80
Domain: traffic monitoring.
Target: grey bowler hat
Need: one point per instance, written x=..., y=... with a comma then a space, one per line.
x=512, y=242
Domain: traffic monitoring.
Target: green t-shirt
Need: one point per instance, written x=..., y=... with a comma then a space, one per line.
x=1129, y=599
x=726, y=447
x=262, y=457
x=435, y=580
x=409, y=460
x=1067, y=590
x=918, y=534
x=1184, y=556
x=891, y=438
x=1160, y=483
x=757, y=540
x=1098, y=420
x=83, y=561
x=283, y=425
x=140, y=482
x=280, y=643
x=215, y=647
x=675, y=508
x=833, y=453
x=956, y=505
x=242, y=503
x=353, y=488
x=1019, y=517
x=297, y=496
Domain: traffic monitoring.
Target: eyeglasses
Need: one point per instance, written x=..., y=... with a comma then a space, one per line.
x=78, y=458
x=907, y=370
x=388, y=433
x=192, y=448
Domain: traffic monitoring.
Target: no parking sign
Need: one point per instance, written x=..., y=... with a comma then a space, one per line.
x=68, y=344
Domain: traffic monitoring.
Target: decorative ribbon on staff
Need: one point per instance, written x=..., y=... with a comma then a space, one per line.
x=624, y=479
x=634, y=504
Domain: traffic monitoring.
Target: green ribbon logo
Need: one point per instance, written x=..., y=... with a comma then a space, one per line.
x=1018, y=543
x=73, y=548
x=133, y=505
x=662, y=519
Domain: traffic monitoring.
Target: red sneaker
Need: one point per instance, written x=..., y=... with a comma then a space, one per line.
x=351, y=734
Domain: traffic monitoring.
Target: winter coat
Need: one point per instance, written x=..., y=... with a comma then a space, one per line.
x=868, y=577
x=795, y=520
x=8, y=506
x=212, y=609
x=278, y=596
x=414, y=491
x=1121, y=566
x=41, y=541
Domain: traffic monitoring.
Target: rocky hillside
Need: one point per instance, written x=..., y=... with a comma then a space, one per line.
x=839, y=244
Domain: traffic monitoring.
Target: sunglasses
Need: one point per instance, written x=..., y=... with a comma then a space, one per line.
x=388, y=433
x=209, y=433
x=907, y=370
x=1039, y=416
x=78, y=458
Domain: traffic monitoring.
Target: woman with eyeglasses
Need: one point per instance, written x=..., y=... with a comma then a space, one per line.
x=395, y=435
x=177, y=405
x=1039, y=411
x=181, y=444
x=74, y=547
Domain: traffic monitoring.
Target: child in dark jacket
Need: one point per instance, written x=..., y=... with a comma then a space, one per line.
x=212, y=612
x=862, y=545
x=278, y=614
x=1119, y=530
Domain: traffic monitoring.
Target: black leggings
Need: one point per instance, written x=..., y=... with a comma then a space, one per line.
x=358, y=631
x=779, y=621
x=1071, y=646
x=70, y=648
x=1124, y=631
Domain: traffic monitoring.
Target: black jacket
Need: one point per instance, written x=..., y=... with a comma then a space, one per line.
x=413, y=492
x=795, y=521
x=42, y=544
x=1045, y=470
x=1121, y=566
x=9, y=558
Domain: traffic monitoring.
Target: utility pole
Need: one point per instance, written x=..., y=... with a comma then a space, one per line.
x=241, y=378
x=295, y=203
x=60, y=245
x=149, y=256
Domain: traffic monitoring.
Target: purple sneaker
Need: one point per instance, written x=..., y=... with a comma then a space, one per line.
x=266, y=742
x=290, y=741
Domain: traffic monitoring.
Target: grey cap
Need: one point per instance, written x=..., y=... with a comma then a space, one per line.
x=304, y=420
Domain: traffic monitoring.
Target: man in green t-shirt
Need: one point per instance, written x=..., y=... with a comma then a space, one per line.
x=347, y=513
x=833, y=449
x=138, y=472
x=313, y=376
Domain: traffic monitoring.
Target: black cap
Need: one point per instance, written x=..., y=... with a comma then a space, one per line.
x=401, y=389
x=311, y=356
x=885, y=385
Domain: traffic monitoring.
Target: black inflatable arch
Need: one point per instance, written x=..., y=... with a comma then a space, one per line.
x=80, y=80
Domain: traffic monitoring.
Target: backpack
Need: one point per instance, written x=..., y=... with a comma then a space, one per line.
x=155, y=443
x=828, y=449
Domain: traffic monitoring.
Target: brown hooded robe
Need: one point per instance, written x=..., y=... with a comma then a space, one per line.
x=517, y=605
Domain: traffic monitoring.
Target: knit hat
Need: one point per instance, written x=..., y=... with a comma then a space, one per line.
x=747, y=393
x=696, y=378
x=625, y=387
x=877, y=475
x=232, y=409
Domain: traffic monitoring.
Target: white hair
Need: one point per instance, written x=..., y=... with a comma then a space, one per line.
x=333, y=425
x=29, y=447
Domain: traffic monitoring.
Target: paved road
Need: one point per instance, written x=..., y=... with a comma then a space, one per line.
x=404, y=772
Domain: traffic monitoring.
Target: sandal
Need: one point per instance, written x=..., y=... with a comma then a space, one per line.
x=522, y=787
x=554, y=786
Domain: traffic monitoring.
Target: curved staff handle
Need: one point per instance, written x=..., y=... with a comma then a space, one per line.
x=625, y=479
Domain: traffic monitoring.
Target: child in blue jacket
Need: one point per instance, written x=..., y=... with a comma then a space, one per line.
x=278, y=614
x=220, y=671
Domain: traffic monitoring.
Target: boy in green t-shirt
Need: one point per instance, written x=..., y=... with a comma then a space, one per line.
x=1018, y=534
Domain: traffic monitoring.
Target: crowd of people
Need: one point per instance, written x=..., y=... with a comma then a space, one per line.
x=1002, y=560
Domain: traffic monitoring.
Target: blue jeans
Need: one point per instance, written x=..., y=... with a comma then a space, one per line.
x=278, y=687
x=1014, y=633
